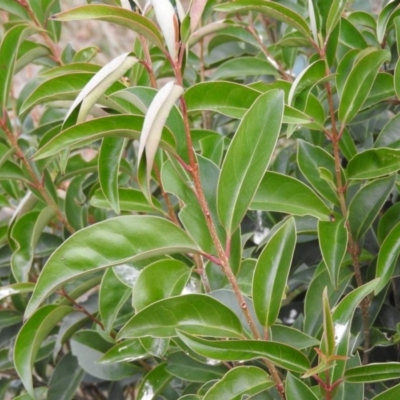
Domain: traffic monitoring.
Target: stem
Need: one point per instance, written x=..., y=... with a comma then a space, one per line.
x=353, y=247
x=222, y=256
x=36, y=182
x=148, y=64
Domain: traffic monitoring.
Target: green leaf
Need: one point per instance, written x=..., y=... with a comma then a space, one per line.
x=271, y=273
x=88, y=346
x=333, y=232
x=9, y=318
x=335, y=12
x=127, y=350
x=15, y=8
x=25, y=233
x=186, y=368
x=9, y=46
x=31, y=336
x=297, y=390
x=388, y=136
x=375, y=372
x=129, y=200
x=16, y=288
x=194, y=313
x=374, y=163
x=383, y=19
x=11, y=171
x=75, y=209
x=228, y=98
x=359, y=83
x=65, y=379
x=109, y=162
x=238, y=382
x=328, y=327
x=271, y=9
x=310, y=159
x=367, y=203
x=128, y=126
x=244, y=66
x=282, y=193
x=292, y=337
x=106, y=244
x=154, y=382
x=149, y=288
x=116, y=15
x=113, y=294
x=387, y=258
x=242, y=350
x=391, y=394
x=248, y=157
x=86, y=54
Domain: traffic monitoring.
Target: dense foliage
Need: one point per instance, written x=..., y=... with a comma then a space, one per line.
x=213, y=215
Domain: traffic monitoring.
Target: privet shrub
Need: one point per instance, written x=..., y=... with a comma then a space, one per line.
x=213, y=215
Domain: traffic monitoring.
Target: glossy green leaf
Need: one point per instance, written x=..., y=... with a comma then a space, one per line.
x=9, y=318
x=31, y=336
x=383, y=19
x=113, y=294
x=328, y=327
x=65, y=379
x=75, y=209
x=310, y=159
x=9, y=46
x=186, y=368
x=387, y=258
x=271, y=9
x=29, y=52
x=359, y=83
x=128, y=126
x=11, y=171
x=117, y=15
x=238, y=382
x=129, y=200
x=391, y=394
x=235, y=350
x=388, y=136
x=244, y=66
x=26, y=233
x=335, y=12
x=105, y=244
x=149, y=288
x=88, y=346
x=248, y=157
x=271, y=273
x=292, y=337
x=86, y=54
x=350, y=36
x=109, y=162
x=388, y=221
x=367, y=203
x=282, y=193
x=14, y=8
x=194, y=313
x=154, y=382
x=127, y=350
x=297, y=390
x=333, y=232
x=375, y=372
x=228, y=98
x=374, y=163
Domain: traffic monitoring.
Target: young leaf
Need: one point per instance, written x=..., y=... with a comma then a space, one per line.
x=271, y=273
x=108, y=166
x=117, y=15
x=328, y=327
x=248, y=157
x=234, y=350
x=240, y=381
x=154, y=122
x=196, y=11
x=367, y=203
x=282, y=193
x=194, y=313
x=359, y=83
x=328, y=233
x=31, y=336
x=105, y=244
x=168, y=22
x=374, y=163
